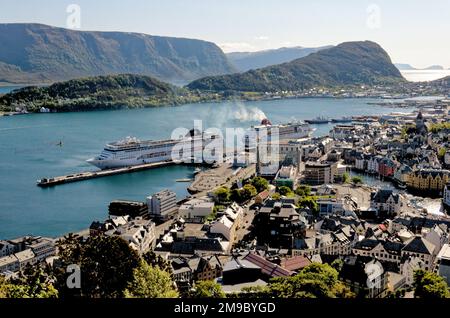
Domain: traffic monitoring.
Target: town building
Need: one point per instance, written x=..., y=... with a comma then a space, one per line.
x=386, y=202
x=162, y=205
x=286, y=177
x=428, y=180
x=199, y=208
x=139, y=233
x=443, y=260
x=421, y=248
x=319, y=173
x=446, y=197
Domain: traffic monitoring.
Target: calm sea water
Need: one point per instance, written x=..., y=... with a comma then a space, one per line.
x=425, y=75
x=29, y=150
x=7, y=89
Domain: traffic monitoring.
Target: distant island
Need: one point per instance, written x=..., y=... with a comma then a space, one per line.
x=351, y=67
x=350, y=63
x=99, y=93
x=245, y=61
x=408, y=67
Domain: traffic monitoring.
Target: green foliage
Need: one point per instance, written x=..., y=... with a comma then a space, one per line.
x=157, y=261
x=435, y=128
x=429, y=285
x=276, y=196
x=150, y=282
x=33, y=282
x=106, y=263
x=314, y=281
x=303, y=191
x=248, y=192
x=357, y=180
x=223, y=194
x=236, y=196
x=346, y=178
x=207, y=289
x=442, y=152
x=285, y=191
x=260, y=184
x=309, y=202
x=99, y=93
x=337, y=264
x=351, y=63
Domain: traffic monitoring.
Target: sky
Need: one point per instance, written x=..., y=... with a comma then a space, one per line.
x=413, y=31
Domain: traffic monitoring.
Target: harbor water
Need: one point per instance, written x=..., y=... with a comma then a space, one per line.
x=45, y=145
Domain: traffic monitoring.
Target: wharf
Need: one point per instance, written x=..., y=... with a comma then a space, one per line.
x=49, y=182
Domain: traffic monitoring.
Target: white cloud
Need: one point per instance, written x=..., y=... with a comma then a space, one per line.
x=261, y=38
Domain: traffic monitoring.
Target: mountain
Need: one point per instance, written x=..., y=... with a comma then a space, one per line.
x=36, y=53
x=349, y=63
x=405, y=67
x=245, y=61
x=434, y=68
x=97, y=93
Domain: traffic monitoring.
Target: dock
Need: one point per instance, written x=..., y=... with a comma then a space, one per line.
x=49, y=182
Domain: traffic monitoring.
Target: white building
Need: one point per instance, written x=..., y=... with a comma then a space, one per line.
x=330, y=206
x=444, y=262
x=373, y=164
x=437, y=236
x=162, y=204
x=386, y=201
x=9, y=263
x=6, y=248
x=408, y=268
x=446, y=198
x=25, y=258
x=139, y=233
x=227, y=224
x=447, y=158
x=196, y=208
x=42, y=248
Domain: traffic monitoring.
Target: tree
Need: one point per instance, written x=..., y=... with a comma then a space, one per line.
x=337, y=264
x=429, y=285
x=207, y=289
x=33, y=282
x=276, y=196
x=357, y=180
x=236, y=196
x=442, y=152
x=313, y=281
x=106, y=264
x=346, y=178
x=260, y=184
x=309, y=202
x=223, y=194
x=248, y=192
x=303, y=191
x=283, y=190
x=157, y=261
x=150, y=282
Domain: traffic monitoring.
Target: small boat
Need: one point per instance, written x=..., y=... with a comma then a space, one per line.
x=184, y=180
x=342, y=120
x=318, y=120
x=197, y=171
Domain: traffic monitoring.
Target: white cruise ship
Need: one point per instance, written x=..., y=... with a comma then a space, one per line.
x=293, y=130
x=132, y=152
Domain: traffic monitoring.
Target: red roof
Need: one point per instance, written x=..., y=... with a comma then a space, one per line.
x=295, y=263
x=267, y=267
x=264, y=194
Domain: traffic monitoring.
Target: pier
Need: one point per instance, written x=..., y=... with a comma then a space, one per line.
x=49, y=182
